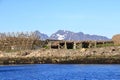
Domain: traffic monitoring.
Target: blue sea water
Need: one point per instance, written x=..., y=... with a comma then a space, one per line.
x=60, y=72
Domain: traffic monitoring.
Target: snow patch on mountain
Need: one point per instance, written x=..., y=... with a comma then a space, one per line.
x=60, y=37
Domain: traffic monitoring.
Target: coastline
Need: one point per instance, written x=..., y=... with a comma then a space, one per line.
x=104, y=55
x=38, y=60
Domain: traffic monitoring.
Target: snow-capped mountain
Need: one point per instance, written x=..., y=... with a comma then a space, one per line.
x=68, y=35
x=63, y=35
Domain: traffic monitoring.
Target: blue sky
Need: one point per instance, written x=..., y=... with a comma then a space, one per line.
x=101, y=17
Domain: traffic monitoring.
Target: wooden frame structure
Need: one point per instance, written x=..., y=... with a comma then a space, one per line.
x=62, y=44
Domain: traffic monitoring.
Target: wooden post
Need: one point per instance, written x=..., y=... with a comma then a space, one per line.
x=89, y=45
x=74, y=45
x=65, y=45
x=95, y=44
x=50, y=45
x=103, y=43
x=58, y=45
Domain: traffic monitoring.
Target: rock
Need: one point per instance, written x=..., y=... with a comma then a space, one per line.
x=23, y=53
x=113, y=49
x=1, y=55
x=83, y=50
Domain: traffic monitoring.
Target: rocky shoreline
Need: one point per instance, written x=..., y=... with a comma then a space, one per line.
x=104, y=55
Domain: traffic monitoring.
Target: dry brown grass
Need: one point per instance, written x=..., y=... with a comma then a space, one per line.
x=18, y=41
x=92, y=55
x=116, y=39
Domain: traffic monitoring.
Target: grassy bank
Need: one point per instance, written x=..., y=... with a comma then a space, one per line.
x=63, y=60
x=105, y=55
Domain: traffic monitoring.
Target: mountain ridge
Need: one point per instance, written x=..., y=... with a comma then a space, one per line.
x=69, y=35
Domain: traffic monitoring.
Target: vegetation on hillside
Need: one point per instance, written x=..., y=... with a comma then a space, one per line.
x=18, y=41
